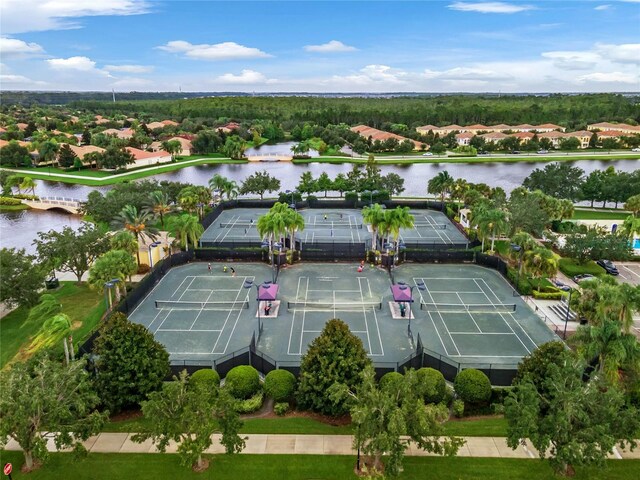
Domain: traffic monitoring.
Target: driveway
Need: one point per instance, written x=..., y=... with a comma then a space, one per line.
x=629, y=272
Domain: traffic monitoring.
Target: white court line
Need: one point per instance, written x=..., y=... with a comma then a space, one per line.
x=201, y=310
x=364, y=313
x=182, y=330
x=470, y=314
x=482, y=333
x=502, y=317
x=438, y=333
x=447, y=329
x=175, y=292
x=487, y=356
x=304, y=315
x=443, y=323
x=171, y=309
x=226, y=320
x=293, y=320
x=236, y=322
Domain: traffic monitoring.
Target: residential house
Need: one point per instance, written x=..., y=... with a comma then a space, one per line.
x=476, y=128
x=375, y=134
x=22, y=126
x=501, y=127
x=583, y=136
x=143, y=159
x=425, y=129
x=122, y=133
x=464, y=139
x=169, y=123
x=494, y=137
x=617, y=127
x=523, y=127
x=523, y=137
x=185, y=143
x=549, y=127
x=229, y=127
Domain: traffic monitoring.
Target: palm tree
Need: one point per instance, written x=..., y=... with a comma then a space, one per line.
x=301, y=148
x=29, y=184
x=373, y=215
x=218, y=182
x=526, y=242
x=230, y=189
x=48, y=151
x=266, y=230
x=459, y=188
x=401, y=219
x=541, y=262
x=160, y=204
x=124, y=240
x=295, y=223
x=188, y=229
x=608, y=345
x=53, y=330
x=631, y=226
x=440, y=184
x=137, y=223
x=492, y=222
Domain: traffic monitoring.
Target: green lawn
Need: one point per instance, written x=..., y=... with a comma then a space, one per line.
x=84, y=306
x=571, y=268
x=600, y=214
x=477, y=427
x=99, y=466
x=14, y=208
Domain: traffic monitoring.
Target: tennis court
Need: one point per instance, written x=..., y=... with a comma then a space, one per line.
x=199, y=315
x=469, y=314
x=332, y=225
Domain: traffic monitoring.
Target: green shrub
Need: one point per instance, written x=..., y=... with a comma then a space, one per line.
x=458, y=408
x=9, y=201
x=25, y=196
x=497, y=408
x=499, y=394
x=281, y=408
x=312, y=200
x=242, y=381
x=250, y=405
x=557, y=295
x=280, y=385
x=390, y=380
x=522, y=284
x=207, y=377
x=571, y=268
x=448, y=396
x=432, y=384
x=380, y=196
x=472, y=386
x=351, y=197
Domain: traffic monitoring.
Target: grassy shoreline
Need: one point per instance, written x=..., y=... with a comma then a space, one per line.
x=94, y=178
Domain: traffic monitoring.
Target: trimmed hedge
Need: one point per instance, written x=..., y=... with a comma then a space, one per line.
x=280, y=385
x=390, y=380
x=252, y=404
x=472, y=386
x=549, y=295
x=242, y=382
x=351, y=197
x=571, y=268
x=207, y=377
x=432, y=384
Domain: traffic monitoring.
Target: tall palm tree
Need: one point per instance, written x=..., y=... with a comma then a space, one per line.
x=217, y=182
x=526, y=242
x=496, y=224
x=28, y=184
x=295, y=223
x=618, y=303
x=401, y=219
x=48, y=151
x=441, y=184
x=611, y=347
x=124, y=240
x=301, y=148
x=137, y=223
x=160, y=204
x=266, y=230
x=541, y=262
x=373, y=215
x=230, y=189
x=188, y=229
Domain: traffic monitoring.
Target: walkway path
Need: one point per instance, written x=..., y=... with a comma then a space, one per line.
x=311, y=445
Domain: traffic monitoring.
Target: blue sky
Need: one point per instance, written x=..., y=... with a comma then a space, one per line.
x=334, y=46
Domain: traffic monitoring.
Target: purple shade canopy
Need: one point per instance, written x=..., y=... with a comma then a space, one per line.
x=401, y=293
x=267, y=292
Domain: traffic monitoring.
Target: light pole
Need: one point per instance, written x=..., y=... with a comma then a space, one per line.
x=517, y=249
x=248, y=284
x=153, y=245
x=403, y=286
x=566, y=318
x=293, y=202
x=107, y=294
x=370, y=193
x=200, y=209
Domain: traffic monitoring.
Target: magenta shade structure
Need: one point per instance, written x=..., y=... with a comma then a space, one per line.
x=401, y=293
x=267, y=292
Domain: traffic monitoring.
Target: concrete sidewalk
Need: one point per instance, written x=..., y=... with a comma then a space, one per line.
x=310, y=445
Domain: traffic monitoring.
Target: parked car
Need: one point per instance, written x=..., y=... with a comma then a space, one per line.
x=542, y=152
x=561, y=286
x=515, y=152
x=428, y=154
x=582, y=277
x=637, y=149
x=483, y=152
x=608, y=266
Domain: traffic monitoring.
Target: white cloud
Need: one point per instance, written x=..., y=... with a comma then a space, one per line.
x=19, y=16
x=218, y=51
x=602, y=7
x=573, y=60
x=623, y=53
x=246, y=77
x=18, y=80
x=132, y=83
x=330, y=47
x=10, y=47
x=375, y=76
x=473, y=74
x=76, y=64
x=489, y=7
x=609, y=77
x=129, y=68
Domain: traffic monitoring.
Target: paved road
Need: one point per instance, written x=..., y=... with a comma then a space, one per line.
x=629, y=272
x=311, y=445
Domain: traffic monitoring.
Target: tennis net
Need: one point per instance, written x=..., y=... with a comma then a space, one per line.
x=435, y=226
x=342, y=306
x=216, y=305
x=329, y=223
x=469, y=307
x=237, y=224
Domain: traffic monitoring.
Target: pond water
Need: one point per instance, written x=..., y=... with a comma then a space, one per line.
x=283, y=148
x=20, y=228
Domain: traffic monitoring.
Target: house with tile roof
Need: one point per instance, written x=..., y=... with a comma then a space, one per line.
x=618, y=127
x=464, y=138
x=375, y=134
x=123, y=133
x=143, y=158
x=184, y=143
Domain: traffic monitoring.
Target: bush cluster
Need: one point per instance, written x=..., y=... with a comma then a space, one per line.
x=242, y=382
x=280, y=385
x=250, y=405
x=390, y=380
x=472, y=386
x=207, y=377
x=281, y=408
x=9, y=201
x=432, y=384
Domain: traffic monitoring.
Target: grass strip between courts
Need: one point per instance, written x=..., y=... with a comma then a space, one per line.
x=99, y=466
